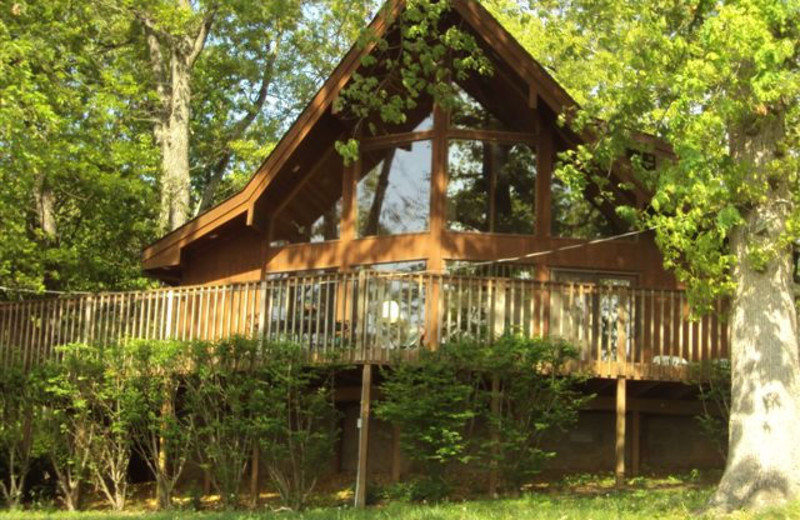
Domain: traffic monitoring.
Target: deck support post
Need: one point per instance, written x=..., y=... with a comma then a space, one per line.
x=363, y=436
x=620, y=432
x=636, y=429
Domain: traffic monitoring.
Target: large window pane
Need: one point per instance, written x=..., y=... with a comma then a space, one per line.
x=491, y=187
x=575, y=216
x=394, y=193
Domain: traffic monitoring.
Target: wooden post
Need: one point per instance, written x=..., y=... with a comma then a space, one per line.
x=262, y=312
x=363, y=437
x=88, y=321
x=254, y=463
x=168, y=324
x=620, y=430
x=545, y=155
x=499, y=308
x=396, y=454
x=636, y=443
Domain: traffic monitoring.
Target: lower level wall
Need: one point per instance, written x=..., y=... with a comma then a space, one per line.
x=667, y=443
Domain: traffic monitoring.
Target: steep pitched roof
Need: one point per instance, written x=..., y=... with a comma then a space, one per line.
x=243, y=207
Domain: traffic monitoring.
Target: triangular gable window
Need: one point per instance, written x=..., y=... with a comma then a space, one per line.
x=468, y=113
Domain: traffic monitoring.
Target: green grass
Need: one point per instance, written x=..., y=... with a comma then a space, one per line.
x=570, y=500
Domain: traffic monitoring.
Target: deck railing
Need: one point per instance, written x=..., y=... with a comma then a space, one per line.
x=370, y=315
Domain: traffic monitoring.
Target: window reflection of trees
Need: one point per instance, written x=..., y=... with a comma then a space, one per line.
x=574, y=215
x=394, y=192
x=491, y=187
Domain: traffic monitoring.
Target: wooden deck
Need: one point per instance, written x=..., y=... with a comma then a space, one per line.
x=371, y=316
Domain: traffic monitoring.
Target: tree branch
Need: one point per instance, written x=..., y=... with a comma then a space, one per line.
x=241, y=126
x=199, y=43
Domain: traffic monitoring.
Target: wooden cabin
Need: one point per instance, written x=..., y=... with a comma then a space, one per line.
x=451, y=223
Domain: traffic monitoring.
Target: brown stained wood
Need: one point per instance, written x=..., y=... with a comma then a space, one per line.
x=515, y=61
x=619, y=445
x=385, y=141
x=363, y=437
x=533, y=96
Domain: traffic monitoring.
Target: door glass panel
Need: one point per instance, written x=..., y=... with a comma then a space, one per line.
x=394, y=193
x=595, y=311
x=491, y=187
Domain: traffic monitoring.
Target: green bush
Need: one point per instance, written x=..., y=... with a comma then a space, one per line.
x=532, y=398
x=418, y=490
x=220, y=403
x=714, y=385
x=66, y=429
x=433, y=401
x=516, y=386
x=161, y=436
x=17, y=417
x=297, y=424
x=86, y=413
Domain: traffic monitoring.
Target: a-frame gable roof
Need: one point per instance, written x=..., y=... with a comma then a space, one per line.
x=244, y=208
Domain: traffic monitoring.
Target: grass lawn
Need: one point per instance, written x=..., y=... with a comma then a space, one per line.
x=577, y=500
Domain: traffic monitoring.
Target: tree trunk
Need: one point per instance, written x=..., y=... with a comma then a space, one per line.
x=763, y=466
x=45, y=207
x=171, y=59
x=173, y=138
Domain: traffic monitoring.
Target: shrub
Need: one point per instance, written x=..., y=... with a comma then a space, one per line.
x=297, y=427
x=516, y=385
x=432, y=401
x=532, y=398
x=112, y=410
x=162, y=437
x=16, y=430
x=714, y=385
x=65, y=430
x=222, y=410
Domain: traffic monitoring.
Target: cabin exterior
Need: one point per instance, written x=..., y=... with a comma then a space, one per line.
x=450, y=223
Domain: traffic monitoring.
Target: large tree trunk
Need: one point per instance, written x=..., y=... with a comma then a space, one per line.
x=173, y=138
x=45, y=207
x=763, y=466
x=171, y=59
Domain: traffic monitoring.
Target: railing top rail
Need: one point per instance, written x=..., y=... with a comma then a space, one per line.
x=354, y=275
